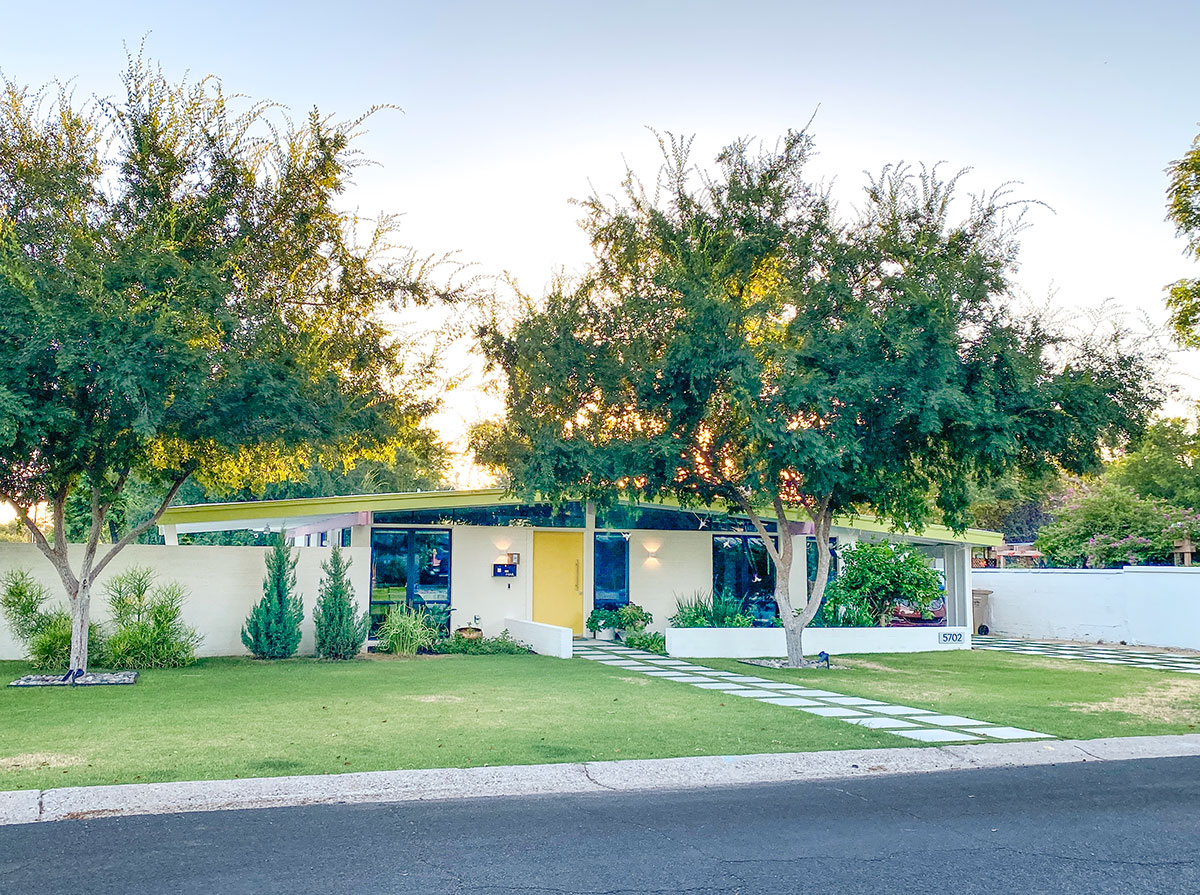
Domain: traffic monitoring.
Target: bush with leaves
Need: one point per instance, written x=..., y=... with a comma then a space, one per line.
x=340, y=631
x=273, y=629
x=147, y=620
x=505, y=644
x=46, y=633
x=632, y=618
x=875, y=579
x=599, y=619
x=704, y=609
x=406, y=630
x=1108, y=525
x=650, y=641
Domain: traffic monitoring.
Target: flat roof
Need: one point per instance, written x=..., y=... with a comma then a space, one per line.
x=310, y=511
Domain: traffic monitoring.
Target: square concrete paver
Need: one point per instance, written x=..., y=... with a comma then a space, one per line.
x=882, y=723
x=900, y=710
x=790, y=700
x=950, y=721
x=748, y=691
x=1008, y=733
x=929, y=735
x=833, y=712
x=716, y=685
x=852, y=700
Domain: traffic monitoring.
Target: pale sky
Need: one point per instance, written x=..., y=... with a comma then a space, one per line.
x=511, y=109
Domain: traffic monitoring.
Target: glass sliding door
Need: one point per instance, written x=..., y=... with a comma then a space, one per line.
x=743, y=569
x=410, y=566
x=611, y=570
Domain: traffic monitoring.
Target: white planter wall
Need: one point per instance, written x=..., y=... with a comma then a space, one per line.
x=223, y=584
x=754, y=643
x=546, y=640
x=1145, y=605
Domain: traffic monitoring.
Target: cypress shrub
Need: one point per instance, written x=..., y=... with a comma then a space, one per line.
x=273, y=629
x=340, y=633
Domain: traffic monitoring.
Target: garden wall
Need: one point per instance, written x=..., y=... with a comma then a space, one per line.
x=223, y=583
x=1145, y=605
x=754, y=643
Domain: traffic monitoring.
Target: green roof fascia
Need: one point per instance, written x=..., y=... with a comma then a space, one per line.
x=335, y=506
x=482, y=497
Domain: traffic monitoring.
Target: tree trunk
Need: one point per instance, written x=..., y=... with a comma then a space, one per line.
x=80, y=617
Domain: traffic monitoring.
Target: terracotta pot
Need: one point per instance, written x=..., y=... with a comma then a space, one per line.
x=469, y=632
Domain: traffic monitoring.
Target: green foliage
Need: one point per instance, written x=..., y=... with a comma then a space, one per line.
x=340, y=633
x=46, y=633
x=874, y=579
x=1183, y=210
x=1165, y=463
x=505, y=644
x=1107, y=525
x=633, y=618
x=650, y=641
x=273, y=629
x=183, y=296
x=703, y=609
x=147, y=620
x=600, y=619
x=735, y=342
x=406, y=630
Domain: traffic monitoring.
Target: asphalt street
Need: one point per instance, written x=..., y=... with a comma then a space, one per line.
x=1127, y=826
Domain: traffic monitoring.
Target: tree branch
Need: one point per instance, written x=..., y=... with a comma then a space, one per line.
x=136, y=532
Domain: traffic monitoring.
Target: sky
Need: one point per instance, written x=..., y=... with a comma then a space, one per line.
x=509, y=110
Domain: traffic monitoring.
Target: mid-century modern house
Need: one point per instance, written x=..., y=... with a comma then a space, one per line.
x=487, y=556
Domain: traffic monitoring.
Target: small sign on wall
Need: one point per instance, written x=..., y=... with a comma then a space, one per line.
x=504, y=570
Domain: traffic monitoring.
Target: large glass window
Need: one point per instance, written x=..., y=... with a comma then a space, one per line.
x=611, y=569
x=672, y=519
x=810, y=558
x=743, y=569
x=410, y=566
x=543, y=515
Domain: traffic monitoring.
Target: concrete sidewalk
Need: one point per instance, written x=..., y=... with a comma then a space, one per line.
x=74, y=803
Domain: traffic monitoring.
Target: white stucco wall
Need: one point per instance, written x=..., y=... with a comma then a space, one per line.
x=223, y=584
x=1145, y=605
x=753, y=643
x=473, y=590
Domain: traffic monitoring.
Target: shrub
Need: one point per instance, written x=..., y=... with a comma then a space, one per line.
x=482, y=646
x=46, y=634
x=148, y=628
x=406, y=630
x=650, y=641
x=633, y=618
x=599, y=619
x=874, y=579
x=1108, y=526
x=339, y=632
x=273, y=629
x=705, y=610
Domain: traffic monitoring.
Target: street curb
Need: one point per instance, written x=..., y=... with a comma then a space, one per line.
x=639, y=775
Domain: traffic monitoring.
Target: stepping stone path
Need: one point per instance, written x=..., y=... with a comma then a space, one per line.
x=922, y=725
x=1109, y=655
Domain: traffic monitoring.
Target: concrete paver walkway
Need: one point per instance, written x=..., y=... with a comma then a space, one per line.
x=923, y=725
x=1109, y=655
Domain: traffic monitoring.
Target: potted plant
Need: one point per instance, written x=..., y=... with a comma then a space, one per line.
x=603, y=620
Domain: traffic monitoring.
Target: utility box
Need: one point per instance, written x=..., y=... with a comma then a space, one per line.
x=981, y=610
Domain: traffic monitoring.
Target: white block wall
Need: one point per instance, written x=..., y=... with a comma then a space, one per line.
x=223, y=584
x=1145, y=605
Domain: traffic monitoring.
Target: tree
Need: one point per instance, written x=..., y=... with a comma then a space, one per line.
x=734, y=342
x=272, y=631
x=183, y=298
x=877, y=578
x=1105, y=525
x=1183, y=210
x=340, y=633
x=1164, y=463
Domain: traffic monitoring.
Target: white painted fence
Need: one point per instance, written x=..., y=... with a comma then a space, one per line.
x=752, y=643
x=1145, y=605
x=223, y=583
x=547, y=640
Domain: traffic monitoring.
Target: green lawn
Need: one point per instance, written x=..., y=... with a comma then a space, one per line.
x=1070, y=699
x=223, y=718
x=226, y=718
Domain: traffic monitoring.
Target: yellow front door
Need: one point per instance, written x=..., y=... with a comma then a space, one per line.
x=558, y=579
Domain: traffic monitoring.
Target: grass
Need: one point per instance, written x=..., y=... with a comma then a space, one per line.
x=1068, y=698
x=225, y=718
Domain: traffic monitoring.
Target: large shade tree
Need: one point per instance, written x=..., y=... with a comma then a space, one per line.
x=1183, y=210
x=736, y=342
x=183, y=298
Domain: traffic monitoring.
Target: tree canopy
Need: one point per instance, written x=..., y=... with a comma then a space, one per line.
x=183, y=298
x=738, y=341
x=1183, y=210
